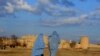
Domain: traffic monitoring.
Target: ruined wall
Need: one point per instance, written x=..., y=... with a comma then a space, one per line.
x=64, y=44
x=84, y=42
x=30, y=40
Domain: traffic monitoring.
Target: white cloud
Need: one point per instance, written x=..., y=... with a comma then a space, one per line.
x=67, y=14
x=92, y=18
x=64, y=21
x=44, y=1
x=21, y=4
x=42, y=6
x=9, y=8
x=12, y=6
x=55, y=9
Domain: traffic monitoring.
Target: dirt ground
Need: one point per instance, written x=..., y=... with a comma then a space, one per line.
x=61, y=52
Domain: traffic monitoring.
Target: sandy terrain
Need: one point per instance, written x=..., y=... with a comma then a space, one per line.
x=61, y=52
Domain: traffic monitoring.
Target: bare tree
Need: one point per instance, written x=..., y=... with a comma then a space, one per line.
x=14, y=41
x=72, y=44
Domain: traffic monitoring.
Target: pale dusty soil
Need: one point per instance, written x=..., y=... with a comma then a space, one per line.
x=62, y=52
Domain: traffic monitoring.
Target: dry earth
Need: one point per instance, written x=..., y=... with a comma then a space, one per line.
x=61, y=52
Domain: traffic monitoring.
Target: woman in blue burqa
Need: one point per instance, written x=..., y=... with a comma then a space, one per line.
x=39, y=46
x=54, y=41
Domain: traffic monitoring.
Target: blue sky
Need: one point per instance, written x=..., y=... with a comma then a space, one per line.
x=71, y=19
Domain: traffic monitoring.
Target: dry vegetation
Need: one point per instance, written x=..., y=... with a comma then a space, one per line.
x=61, y=52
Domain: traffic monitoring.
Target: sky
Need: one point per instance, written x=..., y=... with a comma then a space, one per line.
x=70, y=18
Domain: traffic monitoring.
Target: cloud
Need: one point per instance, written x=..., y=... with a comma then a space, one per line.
x=64, y=21
x=92, y=18
x=50, y=7
x=10, y=6
x=61, y=8
x=57, y=2
x=22, y=4
x=55, y=7
x=95, y=15
x=63, y=2
x=62, y=11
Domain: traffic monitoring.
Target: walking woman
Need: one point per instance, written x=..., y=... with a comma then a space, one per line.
x=38, y=47
x=54, y=41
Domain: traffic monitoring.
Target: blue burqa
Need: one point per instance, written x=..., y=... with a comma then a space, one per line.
x=53, y=43
x=39, y=46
